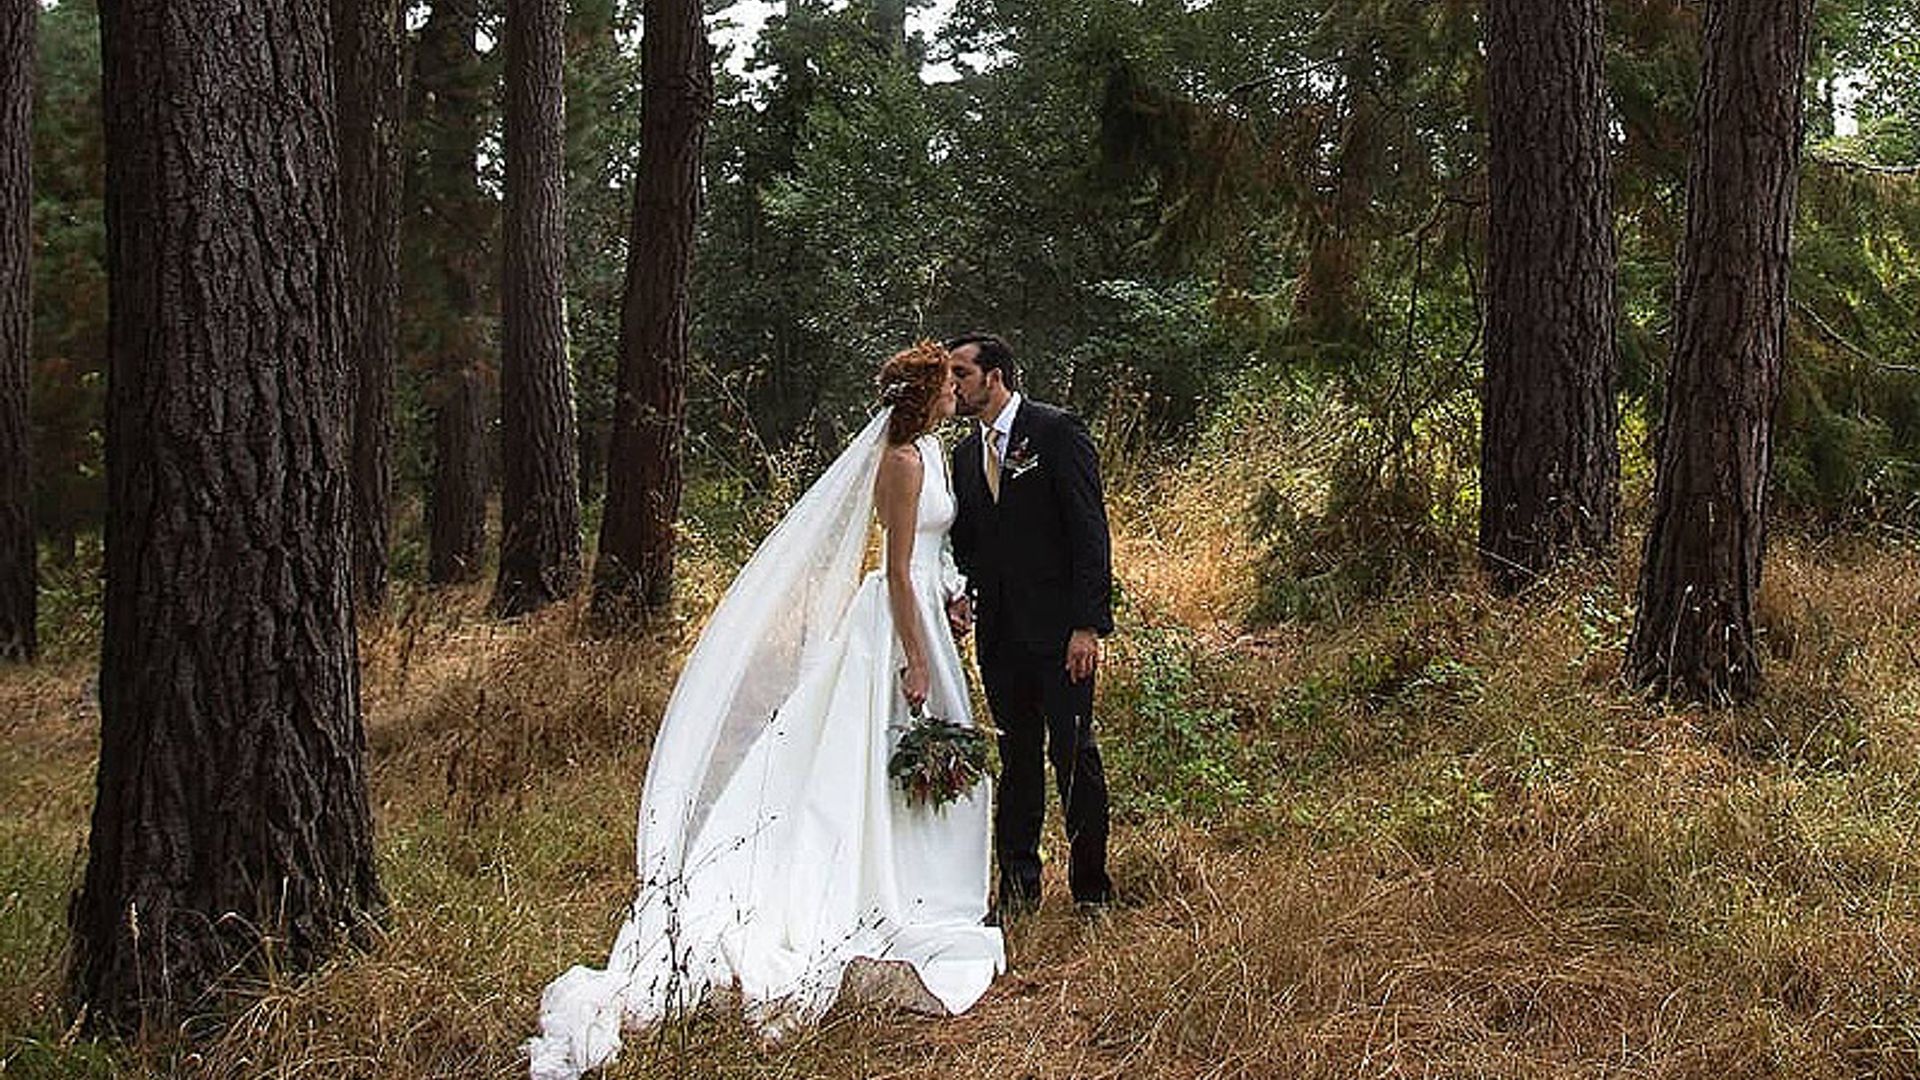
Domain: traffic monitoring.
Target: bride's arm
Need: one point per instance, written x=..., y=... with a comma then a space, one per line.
x=897, y=496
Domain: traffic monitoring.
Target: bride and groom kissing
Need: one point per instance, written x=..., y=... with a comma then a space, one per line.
x=777, y=861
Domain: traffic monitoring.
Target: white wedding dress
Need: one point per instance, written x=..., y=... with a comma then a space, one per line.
x=774, y=850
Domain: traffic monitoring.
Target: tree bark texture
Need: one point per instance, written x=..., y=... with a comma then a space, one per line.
x=1549, y=458
x=540, y=493
x=450, y=92
x=457, y=503
x=1693, y=631
x=231, y=831
x=19, y=576
x=634, y=573
x=368, y=89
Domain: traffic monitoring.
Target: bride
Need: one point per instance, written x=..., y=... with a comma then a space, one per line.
x=776, y=860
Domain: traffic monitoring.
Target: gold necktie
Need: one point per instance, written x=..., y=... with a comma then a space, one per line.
x=992, y=443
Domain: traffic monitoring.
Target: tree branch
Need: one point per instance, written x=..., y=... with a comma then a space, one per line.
x=1827, y=331
x=1837, y=162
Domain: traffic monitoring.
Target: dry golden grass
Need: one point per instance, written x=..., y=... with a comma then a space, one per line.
x=1433, y=838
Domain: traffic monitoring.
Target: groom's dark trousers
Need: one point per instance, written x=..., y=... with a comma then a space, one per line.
x=1034, y=702
x=1039, y=562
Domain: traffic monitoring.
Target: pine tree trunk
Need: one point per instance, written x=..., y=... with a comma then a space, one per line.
x=1693, y=632
x=457, y=503
x=634, y=573
x=450, y=93
x=231, y=832
x=540, y=495
x=590, y=451
x=1549, y=459
x=368, y=88
x=19, y=576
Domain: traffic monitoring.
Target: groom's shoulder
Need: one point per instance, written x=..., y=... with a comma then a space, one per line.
x=1045, y=413
x=1051, y=418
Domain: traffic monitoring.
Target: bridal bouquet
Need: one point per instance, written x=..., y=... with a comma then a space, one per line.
x=937, y=761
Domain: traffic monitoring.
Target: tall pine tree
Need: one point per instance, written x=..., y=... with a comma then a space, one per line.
x=19, y=579
x=230, y=825
x=451, y=217
x=368, y=89
x=540, y=491
x=634, y=573
x=1549, y=460
x=1693, y=634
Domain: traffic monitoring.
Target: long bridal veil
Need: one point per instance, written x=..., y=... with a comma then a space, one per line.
x=770, y=627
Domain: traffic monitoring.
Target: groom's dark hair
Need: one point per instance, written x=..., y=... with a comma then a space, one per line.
x=995, y=355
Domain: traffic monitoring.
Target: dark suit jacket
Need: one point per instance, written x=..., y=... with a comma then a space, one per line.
x=1039, y=562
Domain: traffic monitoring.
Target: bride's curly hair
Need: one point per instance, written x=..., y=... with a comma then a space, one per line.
x=910, y=381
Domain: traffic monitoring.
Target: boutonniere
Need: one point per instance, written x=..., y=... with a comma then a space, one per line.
x=1020, y=458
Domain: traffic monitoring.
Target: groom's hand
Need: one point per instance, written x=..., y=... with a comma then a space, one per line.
x=960, y=615
x=1083, y=655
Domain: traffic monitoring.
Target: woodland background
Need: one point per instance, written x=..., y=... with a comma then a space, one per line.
x=1145, y=199
x=1374, y=818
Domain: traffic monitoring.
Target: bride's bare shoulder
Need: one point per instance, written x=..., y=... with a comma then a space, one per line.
x=905, y=456
x=901, y=471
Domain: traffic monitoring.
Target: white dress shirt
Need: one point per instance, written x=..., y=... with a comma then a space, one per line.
x=1002, y=427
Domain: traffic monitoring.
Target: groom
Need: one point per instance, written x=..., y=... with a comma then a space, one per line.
x=1031, y=537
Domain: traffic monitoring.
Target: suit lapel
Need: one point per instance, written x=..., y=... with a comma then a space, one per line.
x=967, y=476
x=1020, y=434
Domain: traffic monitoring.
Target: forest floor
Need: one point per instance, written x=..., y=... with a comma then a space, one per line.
x=1429, y=836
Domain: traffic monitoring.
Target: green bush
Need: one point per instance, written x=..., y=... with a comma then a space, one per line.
x=1383, y=528
x=1175, y=752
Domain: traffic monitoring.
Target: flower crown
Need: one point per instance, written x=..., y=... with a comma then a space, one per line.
x=895, y=392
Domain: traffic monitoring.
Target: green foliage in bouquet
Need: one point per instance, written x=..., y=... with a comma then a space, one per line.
x=937, y=761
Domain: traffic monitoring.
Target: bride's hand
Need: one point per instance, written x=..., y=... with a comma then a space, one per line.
x=960, y=616
x=915, y=682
